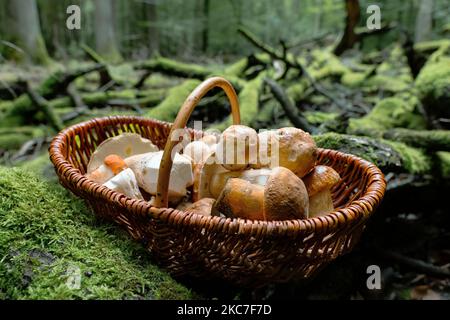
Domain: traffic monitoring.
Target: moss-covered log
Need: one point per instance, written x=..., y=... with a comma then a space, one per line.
x=174, y=68
x=50, y=240
x=388, y=155
x=143, y=98
x=394, y=112
x=169, y=107
x=426, y=139
x=433, y=85
x=248, y=102
x=20, y=110
x=13, y=138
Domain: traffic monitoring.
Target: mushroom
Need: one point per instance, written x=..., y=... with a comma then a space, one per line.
x=318, y=184
x=146, y=168
x=198, y=151
x=211, y=177
x=203, y=173
x=237, y=147
x=282, y=197
x=123, y=145
x=202, y=207
x=112, y=165
x=288, y=147
x=125, y=182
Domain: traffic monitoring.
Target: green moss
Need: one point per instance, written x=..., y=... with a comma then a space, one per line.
x=389, y=113
x=413, y=159
x=297, y=91
x=385, y=154
x=248, y=102
x=158, y=80
x=388, y=83
x=16, y=111
x=353, y=79
x=319, y=117
x=367, y=148
x=168, y=109
x=443, y=158
x=393, y=84
x=433, y=45
x=426, y=139
x=237, y=68
x=45, y=233
x=13, y=138
x=326, y=64
x=433, y=82
x=176, y=68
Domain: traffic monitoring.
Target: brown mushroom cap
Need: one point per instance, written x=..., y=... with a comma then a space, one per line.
x=237, y=147
x=285, y=196
x=240, y=198
x=288, y=147
x=297, y=150
x=321, y=178
x=202, y=206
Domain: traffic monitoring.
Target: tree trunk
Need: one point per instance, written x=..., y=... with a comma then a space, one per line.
x=318, y=17
x=105, y=36
x=424, y=20
x=153, y=35
x=351, y=21
x=25, y=32
x=205, y=34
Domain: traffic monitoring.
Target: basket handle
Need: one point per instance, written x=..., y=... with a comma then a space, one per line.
x=162, y=195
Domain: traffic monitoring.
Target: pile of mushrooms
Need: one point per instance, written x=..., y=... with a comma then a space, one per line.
x=267, y=176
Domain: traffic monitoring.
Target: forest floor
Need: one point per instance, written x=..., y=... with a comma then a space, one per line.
x=389, y=107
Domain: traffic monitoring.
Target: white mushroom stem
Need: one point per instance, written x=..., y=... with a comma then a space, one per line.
x=146, y=169
x=112, y=165
x=320, y=204
x=101, y=174
x=125, y=182
x=255, y=176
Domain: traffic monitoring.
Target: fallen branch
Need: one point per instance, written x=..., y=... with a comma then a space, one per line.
x=290, y=63
x=173, y=68
x=105, y=76
x=288, y=106
x=274, y=54
x=42, y=104
x=415, y=264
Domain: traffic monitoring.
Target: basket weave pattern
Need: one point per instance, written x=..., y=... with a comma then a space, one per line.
x=248, y=253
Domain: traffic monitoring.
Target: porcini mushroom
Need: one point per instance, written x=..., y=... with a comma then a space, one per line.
x=282, y=197
x=112, y=165
x=125, y=182
x=198, y=151
x=318, y=184
x=237, y=147
x=202, y=207
x=146, y=169
x=288, y=147
x=211, y=177
x=123, y=145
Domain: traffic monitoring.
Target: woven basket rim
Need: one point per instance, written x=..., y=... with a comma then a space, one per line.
x=354, y=212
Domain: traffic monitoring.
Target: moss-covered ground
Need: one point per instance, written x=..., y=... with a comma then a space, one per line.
x=52, y=247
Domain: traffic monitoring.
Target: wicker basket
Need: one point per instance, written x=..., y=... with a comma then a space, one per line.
x=243, y=252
